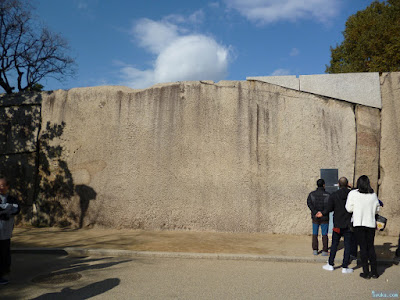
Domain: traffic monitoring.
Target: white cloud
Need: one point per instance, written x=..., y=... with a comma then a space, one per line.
x=281, y=72
x=270, y=11
x=136, y=78
x=192, y=57
x=153, y=35
x=294, y=52
x=180, y=55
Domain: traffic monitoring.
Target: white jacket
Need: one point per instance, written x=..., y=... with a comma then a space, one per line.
x=364, y=208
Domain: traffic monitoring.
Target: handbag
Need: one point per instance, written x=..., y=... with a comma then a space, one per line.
x=380, y=222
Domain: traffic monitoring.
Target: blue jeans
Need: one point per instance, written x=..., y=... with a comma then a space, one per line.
x=324, y=231
x=324, y=228
x=347, y=234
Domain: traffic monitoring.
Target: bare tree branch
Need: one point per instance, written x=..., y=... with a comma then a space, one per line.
x=29, y=52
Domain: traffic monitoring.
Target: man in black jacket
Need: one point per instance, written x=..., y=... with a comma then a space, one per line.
x=317, y=201
x=341, y=225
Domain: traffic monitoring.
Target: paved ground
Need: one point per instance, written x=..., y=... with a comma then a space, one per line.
x=253, y=244
x=48, y=277
x=135, y=264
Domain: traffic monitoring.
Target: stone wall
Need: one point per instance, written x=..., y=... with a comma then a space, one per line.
x=389, y=189
x=228, y=156
x=232, y=156
x=19, y=129
x=368, y=121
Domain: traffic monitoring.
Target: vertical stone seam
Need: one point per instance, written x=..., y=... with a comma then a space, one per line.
x=257, y=133
x=355, y=149
x=379, y=152
x=380, y=137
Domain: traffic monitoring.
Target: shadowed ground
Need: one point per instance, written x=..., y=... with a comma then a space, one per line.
x=180, y=241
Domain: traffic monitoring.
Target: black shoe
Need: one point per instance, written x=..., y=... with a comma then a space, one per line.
x=365, y=275
x=374, y=275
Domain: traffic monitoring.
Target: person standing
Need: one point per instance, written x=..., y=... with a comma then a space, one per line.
x=364, y=205
x=8, y=209
x=341, y=225
x=317, y=201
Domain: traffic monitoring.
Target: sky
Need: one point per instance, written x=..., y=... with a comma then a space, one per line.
x=140, y=43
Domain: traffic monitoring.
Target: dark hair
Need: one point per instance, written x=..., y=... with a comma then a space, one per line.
x=320, y=182
x=363, y=185
x=343, y=182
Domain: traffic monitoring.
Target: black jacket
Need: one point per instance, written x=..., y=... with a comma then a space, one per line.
x=318, y=201
x=336, y=203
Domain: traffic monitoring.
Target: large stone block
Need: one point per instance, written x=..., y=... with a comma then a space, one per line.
x=360, y=88
x=291, y=81
x=232, y=156
x=389, y=189
x=368, y=143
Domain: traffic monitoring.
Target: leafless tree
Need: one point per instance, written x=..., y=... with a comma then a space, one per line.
x=29, y=52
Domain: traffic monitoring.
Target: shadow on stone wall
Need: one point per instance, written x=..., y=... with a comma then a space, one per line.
x=31, y=158
x=86, y=194
x=56, y=189
x=54, y=180
x=19, y=128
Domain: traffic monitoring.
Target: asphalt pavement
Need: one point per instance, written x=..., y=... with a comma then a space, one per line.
x=98, y=263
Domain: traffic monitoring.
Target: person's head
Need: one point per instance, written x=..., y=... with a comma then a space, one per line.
x=363, y=185
x=343, y=182
x=4, y=185
x=320, y=182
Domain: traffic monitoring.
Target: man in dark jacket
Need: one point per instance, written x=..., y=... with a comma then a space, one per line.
x=317, y=201
x=8, y=209
x=341, y=225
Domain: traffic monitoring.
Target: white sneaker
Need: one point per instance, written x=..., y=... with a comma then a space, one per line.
x=327, y=267
x=347, y=270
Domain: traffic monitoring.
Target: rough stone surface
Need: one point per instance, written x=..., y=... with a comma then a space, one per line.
x=20, y=169
x=291, y=81
x=232, y=156
x=361, y=88
x=19, y=128
x=368, y=142
x=389, y=190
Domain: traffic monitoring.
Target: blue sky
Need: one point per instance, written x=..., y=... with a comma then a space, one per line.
x=140, y=43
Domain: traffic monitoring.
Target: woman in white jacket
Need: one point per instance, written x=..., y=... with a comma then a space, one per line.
x=364, y=205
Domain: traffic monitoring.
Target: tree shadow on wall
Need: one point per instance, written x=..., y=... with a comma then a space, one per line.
x=32, y=159
x=19, y=129
x=55, y=186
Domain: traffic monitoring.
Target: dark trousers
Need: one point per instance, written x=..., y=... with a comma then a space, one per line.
x=365, y=238
x=5, y=257
x=354, y=245
x=347, y=234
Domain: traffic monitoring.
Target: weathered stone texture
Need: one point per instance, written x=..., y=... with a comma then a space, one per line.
x=368, y=142
x=19, y=129
x=389, y=189
x=232, y=156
